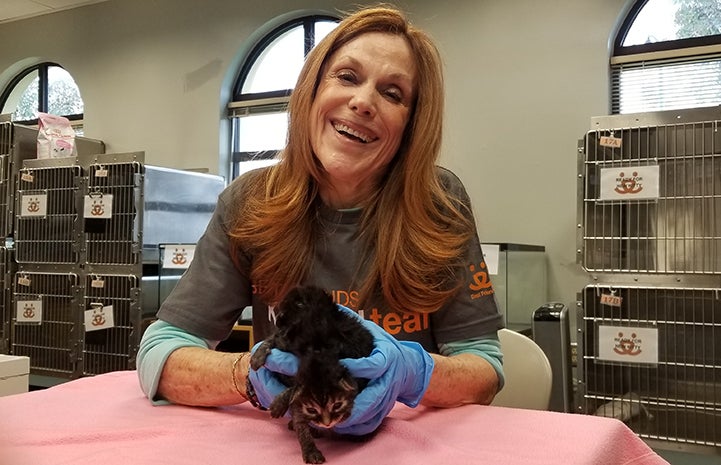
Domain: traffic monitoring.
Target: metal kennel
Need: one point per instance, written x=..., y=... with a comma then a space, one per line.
x=649, y=236
x=49, y=241
x=100, y=219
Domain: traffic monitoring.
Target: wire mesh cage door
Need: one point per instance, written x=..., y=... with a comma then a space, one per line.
x=4, y=301
x=113, y=323
x=47, y=212
x=6, y=188
x=46, y=322
x=113, y=237
x=651, y=357
x=677, y=228
x=6, y=185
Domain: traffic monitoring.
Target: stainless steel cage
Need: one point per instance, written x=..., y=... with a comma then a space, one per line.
x=17, y=144
x=648, y=325
x=50, y=237
x=104, y=219
x=679, y=231
x=6, y=186
x=4, y=301
x=674, y=394
x=115, y=240
x=54, y=344
x=113, y=348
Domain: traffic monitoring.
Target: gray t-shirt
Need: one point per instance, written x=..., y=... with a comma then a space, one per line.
x=212, y=293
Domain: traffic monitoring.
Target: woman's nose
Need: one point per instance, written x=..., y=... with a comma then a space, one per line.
x=363, y=101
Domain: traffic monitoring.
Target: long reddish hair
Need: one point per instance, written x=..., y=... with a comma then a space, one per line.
x=413, y=231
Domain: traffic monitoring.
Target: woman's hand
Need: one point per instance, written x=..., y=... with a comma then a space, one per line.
x=398, y=370
x=265, y=383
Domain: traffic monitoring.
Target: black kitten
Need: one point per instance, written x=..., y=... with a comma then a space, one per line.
x=310, y=325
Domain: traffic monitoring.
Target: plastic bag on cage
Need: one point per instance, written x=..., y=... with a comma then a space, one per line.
x=56, y=137
x=624, y=408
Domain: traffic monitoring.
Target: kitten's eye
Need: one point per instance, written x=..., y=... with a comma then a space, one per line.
x=311, y=411
x=338, y=406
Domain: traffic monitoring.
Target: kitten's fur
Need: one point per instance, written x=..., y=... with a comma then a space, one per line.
x=309, y=325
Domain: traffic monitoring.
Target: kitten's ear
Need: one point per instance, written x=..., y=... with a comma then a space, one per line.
x=348, y=384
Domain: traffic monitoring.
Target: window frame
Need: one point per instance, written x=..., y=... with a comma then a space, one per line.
x=43, y=90
x=655, y=54
x=308, y=23
x=268, y=102
x=661, y=46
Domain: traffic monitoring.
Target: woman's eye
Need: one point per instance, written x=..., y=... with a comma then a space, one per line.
x=347, y=77
x=394, y=95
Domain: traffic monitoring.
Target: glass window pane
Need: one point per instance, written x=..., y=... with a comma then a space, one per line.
x=246, y=166
x=322, y=28
x=654, y=23
x=278, y=65
x=697, y=18
x=663, y=20
x=258, y=133
x=23, y=100
x=63, y=94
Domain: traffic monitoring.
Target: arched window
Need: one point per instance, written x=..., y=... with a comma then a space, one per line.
x=666, y=56
x=262, y=90
x=46, y=87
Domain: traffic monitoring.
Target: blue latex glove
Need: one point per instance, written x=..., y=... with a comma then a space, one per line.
x=265, y=383
x=398, y=370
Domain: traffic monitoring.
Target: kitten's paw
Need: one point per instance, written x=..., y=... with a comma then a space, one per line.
x=313, y=456
x=257, y=358
x=281, y=403
x=278, y=409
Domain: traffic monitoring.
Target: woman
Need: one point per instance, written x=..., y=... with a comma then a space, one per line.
x=357, y=206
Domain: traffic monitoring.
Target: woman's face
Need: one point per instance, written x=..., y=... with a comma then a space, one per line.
x=363, y=102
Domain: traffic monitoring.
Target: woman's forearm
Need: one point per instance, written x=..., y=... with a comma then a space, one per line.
x=203, y=377
x=460, y=379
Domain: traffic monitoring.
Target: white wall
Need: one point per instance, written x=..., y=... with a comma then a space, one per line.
x=523, y=79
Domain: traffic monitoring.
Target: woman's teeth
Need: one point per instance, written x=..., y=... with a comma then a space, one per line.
x=342, y=128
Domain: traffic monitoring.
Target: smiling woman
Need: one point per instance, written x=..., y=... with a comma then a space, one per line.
x=357, y=207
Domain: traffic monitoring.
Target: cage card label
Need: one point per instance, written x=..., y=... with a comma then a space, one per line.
x=99, y=317
x=98, y=206
x=628, y=344
x=29, y=311
x=33, y=205
x=178, y=256
x=630, y=183
x=610, y=141
x=612, y=300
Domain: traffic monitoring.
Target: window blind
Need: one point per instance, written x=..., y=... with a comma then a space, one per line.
x=665, y=84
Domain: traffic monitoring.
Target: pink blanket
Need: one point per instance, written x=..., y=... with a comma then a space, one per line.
x=106, y=420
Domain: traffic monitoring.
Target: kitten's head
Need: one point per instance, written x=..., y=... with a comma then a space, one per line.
x=306, y=318
x=326, y=392
x=327, y=410
x=302, y=300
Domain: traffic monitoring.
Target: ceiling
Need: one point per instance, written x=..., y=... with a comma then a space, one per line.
x=13, y=10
